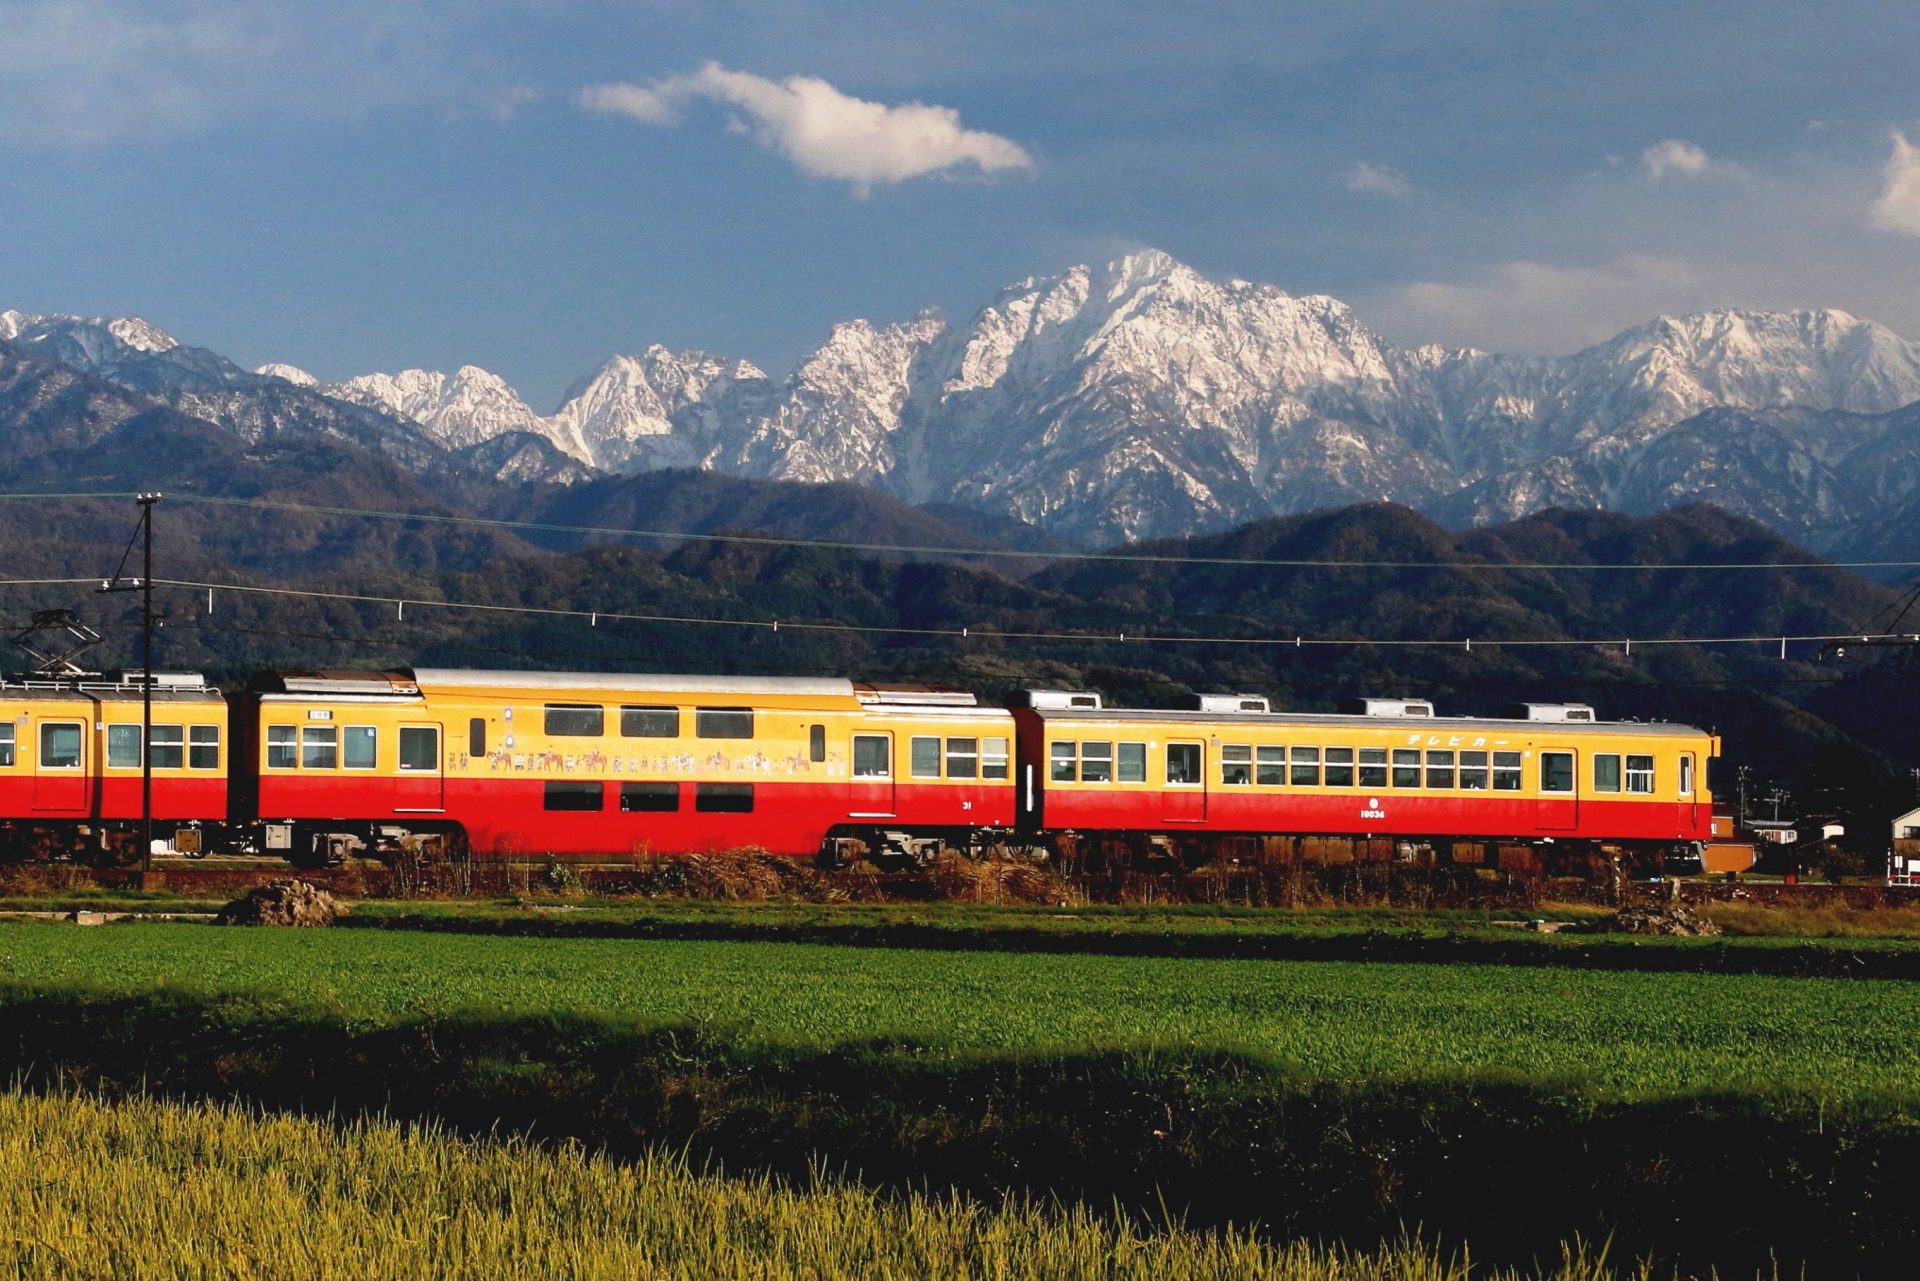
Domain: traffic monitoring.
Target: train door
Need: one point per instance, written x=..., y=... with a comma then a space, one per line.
x=421, y=783
x=870, y=794
x=1184, y=798
x=1558, y=805
x=59, y=767
x=1689, y=794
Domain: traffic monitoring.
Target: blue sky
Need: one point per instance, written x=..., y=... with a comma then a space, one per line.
x=532, y=185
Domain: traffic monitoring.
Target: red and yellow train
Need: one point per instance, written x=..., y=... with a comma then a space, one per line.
x=319, y=766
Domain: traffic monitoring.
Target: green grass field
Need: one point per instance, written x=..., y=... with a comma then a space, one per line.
x=1617, y=1031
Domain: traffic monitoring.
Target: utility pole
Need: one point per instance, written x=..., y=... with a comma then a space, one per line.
x=144, y=584
x=146, y=684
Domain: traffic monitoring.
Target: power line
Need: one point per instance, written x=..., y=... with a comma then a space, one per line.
x=1005, y=553
x=594, y=616
x=775, y=625
x=403, y=646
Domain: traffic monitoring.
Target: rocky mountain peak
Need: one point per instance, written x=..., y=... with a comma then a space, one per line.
x=101, y=335
x=288, y=373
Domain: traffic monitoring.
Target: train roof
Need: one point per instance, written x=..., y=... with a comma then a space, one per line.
x=110, y=687
x=435, y=678
x=419, y=682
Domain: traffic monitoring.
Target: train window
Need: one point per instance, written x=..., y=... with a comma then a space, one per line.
x=203, y=746
x=477, y=737
x=924, y=758
x=419, y=748
x=1686, y=776
x=1440, y=768
x=1473, y=771
x=59, y=746
x=575, y=720
x=281, y=751
x=1183, y=763
x=1556, y=771
x=963, y=758
x=1606, y=772
x=1130, y=764
x=1339, y=767
x=1306, y=766
x=1640, y=775
x=123, y=747
x=993, y=758
x=816, y=743
x=723, y=722
x=649, y=798
x=1096, y=762
x=6, y=743
x=1506, y=771
x=359, y=747
x=1065, y=763
x=650, y=722
x=319, y=747
x=1406, y=767
x=168, y=747
x=723, y=798
x=574, y=796
x=1270, y=766
x=1373, y=767
x=872, y=756
x=1236, y=765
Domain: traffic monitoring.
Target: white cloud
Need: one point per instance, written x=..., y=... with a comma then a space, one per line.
x=1674, y=156
x=1898, y=206
x=649, y=106
x=826, y=133
x=1541, y=308
x=1375, y=180
x=509, y=101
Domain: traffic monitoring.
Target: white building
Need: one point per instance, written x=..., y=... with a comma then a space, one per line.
x=1903, y=863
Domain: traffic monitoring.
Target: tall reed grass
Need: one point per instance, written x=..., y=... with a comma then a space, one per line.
x=148, y=1189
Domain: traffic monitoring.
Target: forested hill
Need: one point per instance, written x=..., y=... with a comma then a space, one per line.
x=1225, y=609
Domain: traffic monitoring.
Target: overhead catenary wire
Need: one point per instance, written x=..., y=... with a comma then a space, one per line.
x=1006, y=553
x=970, y=631
x=402, y=646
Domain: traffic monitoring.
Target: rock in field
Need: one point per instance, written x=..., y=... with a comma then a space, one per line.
x=1675, y=920
x=282, y=903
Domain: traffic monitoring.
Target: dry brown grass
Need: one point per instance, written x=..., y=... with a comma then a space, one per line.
x=995, y=878
x=1830, y=920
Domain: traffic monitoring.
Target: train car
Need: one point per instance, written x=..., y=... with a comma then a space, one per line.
x=71, y=775
x=931, y=768
x=1384, y=770
x=584, y=765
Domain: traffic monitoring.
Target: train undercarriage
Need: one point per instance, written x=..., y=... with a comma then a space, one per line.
x=314, y=845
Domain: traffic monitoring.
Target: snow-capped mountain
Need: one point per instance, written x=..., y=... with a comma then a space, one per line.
x=1139, y=399
x=658, y=409
x=145, y=360
x=460, y=409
